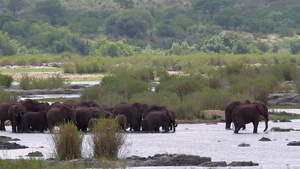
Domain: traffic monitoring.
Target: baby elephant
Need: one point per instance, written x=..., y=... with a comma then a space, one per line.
x=34, y=121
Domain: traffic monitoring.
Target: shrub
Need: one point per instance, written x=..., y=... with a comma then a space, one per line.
x=67, y=142
x=6, y=80
x=7, y=96
x=107, y=139
x=53, y=82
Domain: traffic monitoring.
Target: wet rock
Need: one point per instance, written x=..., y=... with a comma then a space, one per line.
x=214, y=164
x=283, y=99
x=278, y=129
x=6, y=139
x=35, y=154
x=167, y=160
x=264, y=139
x=294, y=143
x=244, y=145
x=6, y=145
x=243, y=163
x=285, y=120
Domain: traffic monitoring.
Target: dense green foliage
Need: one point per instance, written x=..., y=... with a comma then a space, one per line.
x=122, y=28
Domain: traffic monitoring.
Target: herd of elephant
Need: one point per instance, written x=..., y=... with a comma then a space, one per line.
x=243, y=112
x=31, y=115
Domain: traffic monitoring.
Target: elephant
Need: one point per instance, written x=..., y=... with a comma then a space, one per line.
x=156, y=119
x=4, y=112
x=146, y=108
x=229, y=109
x=92, y=122
x=85, y=114
x=132, y=113
x=15, y=113
x=62, y=114
x=246, y=113
x=122, y=121
x=55, y=104
x=34, y=121
x=89, y=103
x=70, y=103
x=34, y=105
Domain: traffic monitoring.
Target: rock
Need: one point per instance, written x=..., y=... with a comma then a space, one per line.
x=214, y=164
x=264, y=139
x=294, y=143
x=244, y=145
x=35, y=154
x=6, y=145
x=167, y=160
x=278, y=129
x=5, y=139
x=285, y=120
x=243, y=163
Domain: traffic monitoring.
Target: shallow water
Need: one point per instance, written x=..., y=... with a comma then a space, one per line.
x=196, y=139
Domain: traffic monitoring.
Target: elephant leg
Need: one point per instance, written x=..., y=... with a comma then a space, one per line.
x=244, y=127
x=2, y=125
x=255, y=125
x=228, y=123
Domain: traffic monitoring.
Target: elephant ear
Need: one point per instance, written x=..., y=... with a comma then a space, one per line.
x=262, y=109
x=171, y=114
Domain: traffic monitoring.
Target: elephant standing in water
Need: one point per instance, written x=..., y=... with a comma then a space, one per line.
x=156, y=119
x=246, y=113
x=229, y=109
x=4, y=113
x=132, y=113
x=15, y=113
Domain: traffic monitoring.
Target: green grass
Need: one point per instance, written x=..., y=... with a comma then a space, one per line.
x=22, y=70
x=57, y=99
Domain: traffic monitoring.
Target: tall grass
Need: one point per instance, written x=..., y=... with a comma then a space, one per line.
x=7, y=96
x=6, y=80
x=107, y=139
x=53, y=82
x=67, y=142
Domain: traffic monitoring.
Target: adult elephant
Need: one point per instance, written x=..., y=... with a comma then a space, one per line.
x=246, y=113
x=60, y=114
x=145, y=109
x=132, y=113
x=34, y=105
x=229, y=109
x=85, y=114
x=15, y=113
x=156, y=119
x=4, y=113
x=34, y=121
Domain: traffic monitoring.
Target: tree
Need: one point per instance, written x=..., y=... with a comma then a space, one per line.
x=14, y=5
x=295, y=47
x=51, y=8
x=211, y=6
x=133, y=23
x=7, y=47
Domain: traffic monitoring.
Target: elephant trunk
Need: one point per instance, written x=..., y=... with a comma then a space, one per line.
x=266, y=122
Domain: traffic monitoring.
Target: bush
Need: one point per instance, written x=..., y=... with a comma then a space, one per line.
x=28, y=83
x=67, y=142
x=107, y=139
x=7, y=96
x=6, y=80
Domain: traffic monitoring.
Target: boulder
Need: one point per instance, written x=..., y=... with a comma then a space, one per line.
x=264, y=139
x=243, y=163
x=294, y=143
x=278, y=129
x=244, y=145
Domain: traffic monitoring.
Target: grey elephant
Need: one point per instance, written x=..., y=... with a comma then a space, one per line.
x=4, y=113
x=132, y=113
x=247, y=113
x=34, y=121
x=156, y=119
x=229, y=109
x=85, y=114
x=61, y=114
x=15, y=113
